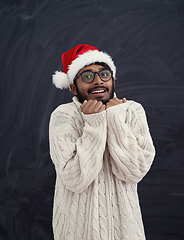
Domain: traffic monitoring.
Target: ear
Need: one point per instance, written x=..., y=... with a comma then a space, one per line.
x=73, y=89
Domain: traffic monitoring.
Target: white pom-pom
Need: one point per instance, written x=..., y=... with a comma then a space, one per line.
x=60, y=80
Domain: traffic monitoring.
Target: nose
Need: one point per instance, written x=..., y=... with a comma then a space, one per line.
x=97, y=79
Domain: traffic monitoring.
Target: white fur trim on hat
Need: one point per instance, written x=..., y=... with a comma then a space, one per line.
x=60, y=80
x=88, y=58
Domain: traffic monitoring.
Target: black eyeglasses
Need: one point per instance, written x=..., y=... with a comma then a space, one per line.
x=88, y=76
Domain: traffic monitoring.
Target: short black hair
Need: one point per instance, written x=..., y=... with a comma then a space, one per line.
x=103, y=65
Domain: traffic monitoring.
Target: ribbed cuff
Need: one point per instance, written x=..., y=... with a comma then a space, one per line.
x=95, y=119
x=116, y=110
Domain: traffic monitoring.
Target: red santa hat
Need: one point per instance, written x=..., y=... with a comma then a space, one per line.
x=77, y=58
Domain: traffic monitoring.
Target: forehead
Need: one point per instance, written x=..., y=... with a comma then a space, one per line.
x=91, y=67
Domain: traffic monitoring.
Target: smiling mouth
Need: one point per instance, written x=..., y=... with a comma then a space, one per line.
x=98, y=90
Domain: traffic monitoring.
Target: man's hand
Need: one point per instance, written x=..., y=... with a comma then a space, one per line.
x=92, y=106
x=115, y=101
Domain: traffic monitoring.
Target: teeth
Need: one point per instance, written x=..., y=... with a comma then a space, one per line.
x=98, y=91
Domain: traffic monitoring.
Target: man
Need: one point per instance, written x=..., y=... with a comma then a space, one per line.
x=101, y=148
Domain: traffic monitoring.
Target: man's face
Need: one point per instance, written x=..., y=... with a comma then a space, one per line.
x=88, y=91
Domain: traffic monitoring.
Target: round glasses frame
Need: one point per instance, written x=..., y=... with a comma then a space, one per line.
x=94, y=73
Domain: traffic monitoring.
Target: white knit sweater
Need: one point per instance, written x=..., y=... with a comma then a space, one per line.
x=99, y=159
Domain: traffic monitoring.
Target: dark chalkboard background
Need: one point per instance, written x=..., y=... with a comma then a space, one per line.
x=146, y=41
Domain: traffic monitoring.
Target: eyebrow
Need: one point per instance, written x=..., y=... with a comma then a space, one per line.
x=101, y=68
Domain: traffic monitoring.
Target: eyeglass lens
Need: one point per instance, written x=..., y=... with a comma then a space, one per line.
x=105, y=75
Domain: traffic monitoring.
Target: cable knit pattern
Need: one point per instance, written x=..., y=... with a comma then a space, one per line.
x=99, y=159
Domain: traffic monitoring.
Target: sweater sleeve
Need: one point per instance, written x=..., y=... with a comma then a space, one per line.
x=129, y=141
x=77, y=148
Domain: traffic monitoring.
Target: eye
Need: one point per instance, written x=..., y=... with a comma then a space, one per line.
x=105, y=74
x=87, y=76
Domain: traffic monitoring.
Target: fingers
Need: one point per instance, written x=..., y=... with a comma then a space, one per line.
x=84, y=103
x=124, y=100
x=115, y=101
x=92, y=106
x=102, y=108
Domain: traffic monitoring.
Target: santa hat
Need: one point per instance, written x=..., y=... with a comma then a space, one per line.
x=75, y=59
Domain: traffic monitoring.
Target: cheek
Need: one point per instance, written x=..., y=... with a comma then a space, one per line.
x=111, y=85
x=82, y=86
x=83, y=91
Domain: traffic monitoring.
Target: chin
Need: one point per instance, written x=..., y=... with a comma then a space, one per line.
x=107, y=100
x=104, y=101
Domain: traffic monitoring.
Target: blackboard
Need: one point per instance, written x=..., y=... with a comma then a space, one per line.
x=146, y=41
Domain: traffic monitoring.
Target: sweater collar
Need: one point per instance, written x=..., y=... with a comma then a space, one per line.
x=76, y=101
